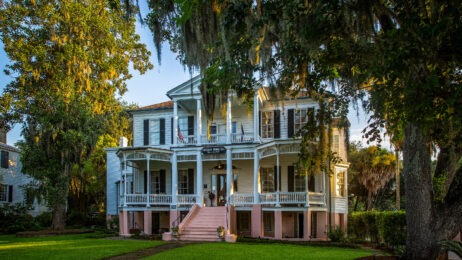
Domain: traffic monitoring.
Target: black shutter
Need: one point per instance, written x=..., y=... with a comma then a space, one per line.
x=190, y=125
x=277, y=184
x=259, y=123
x=277, y=123
x=290, y=178
x=190, y=181
x=146, y=132
x=162, y=131
x=10, y=193
x=290, y=123
x=145, y=182
x=4, y=160
x=162, y=181
x=172, y=129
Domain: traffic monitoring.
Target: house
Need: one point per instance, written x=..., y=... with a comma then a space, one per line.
x=12, y=179
x=236, y=170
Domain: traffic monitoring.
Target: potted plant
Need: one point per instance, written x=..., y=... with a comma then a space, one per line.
x=175, y=230
x=221, y=231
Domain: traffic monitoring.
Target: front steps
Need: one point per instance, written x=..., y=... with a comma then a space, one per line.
x=203, y=225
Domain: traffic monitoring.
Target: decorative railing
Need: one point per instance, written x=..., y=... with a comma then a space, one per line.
x=278, y=198
x=135, y=199
x=213, y=139
x=242, y=199
x=160, y=199
x=317, y=198
x=186, y=199
x=221, y=139
x=187, y=140
x=242, y=138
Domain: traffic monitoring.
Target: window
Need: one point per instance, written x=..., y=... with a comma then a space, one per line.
x=267, y=179
x=186, y=181
x=183, y=126
x=341, y=184
x=6, y=193
x=4, y=159
x=299, y=181
x=301, y=118
x=336, y=144
x=267, y=126
x=155, y=182
x=268, y=221
x=154, y=131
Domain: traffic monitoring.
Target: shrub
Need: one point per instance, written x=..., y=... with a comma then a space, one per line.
x=336, y=234
x=15, y=218
x=379, y=227
x=44, y=220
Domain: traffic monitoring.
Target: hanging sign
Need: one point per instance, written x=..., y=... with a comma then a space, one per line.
x=213, y=150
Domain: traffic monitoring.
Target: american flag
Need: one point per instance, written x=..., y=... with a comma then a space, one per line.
x=180, y=136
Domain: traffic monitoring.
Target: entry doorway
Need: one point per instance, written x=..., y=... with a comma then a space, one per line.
x=219, y=189
x=300, y=224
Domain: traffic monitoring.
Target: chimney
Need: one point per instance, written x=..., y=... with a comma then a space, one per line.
x=123, y=141
x=2, y=136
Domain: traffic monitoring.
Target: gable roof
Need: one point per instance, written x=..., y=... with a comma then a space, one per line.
x=187, y=88
x=158, y=106
x=9, y=148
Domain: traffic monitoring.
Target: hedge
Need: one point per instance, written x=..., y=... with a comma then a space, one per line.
x=378, y=227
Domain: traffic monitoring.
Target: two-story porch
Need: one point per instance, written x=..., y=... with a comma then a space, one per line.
x=261, y=178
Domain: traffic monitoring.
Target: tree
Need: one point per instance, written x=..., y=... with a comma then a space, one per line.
x=403, y=55
x=373, y=168
x=68, y=61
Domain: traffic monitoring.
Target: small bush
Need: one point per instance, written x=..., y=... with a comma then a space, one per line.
x=336, y=234
x=44, y=220
x=15, y=218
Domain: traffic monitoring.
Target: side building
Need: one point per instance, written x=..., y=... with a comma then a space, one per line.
x=236, y=170
x=12, y=179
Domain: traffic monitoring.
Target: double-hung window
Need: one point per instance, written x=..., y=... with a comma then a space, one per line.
x=6, y=193
x=267, y=124
x=267, y=179
x=4, y=160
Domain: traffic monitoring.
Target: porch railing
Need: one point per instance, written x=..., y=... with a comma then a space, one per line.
x=242, y=199
x=317, y=198
x=221, y=138
x=187, y=140
x=278, y=198
x=160, y=199
x=186, y=199
x=136, y=199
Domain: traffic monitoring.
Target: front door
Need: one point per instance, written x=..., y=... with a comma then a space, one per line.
x=219, y=189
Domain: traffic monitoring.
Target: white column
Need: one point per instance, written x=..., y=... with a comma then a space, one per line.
x=124, y=171
x=198, y=122
x=306, y=189
x=199, y=188
x=278, y=174
x=229, y=174
x=175, y=123
x=256, y=179
x=256, y=123
x=228, y=118
x=148, y=180
x=174, y=179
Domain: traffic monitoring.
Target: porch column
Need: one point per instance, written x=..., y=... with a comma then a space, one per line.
x=256, y=179
x=255, y=117
x=147, y=222
x=174, y=179
x=229, y=174
x=175, y=122
x=228, y=118
x=278, y=224
x=123, y=223
x=278, y=177
x=124, y=171
x=199, y=188
x=307, y=204
x=198, y=122
x=148, y=180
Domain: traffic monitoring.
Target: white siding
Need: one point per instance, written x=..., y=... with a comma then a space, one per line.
x=113, y=175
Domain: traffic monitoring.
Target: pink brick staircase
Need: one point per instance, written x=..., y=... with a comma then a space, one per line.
x=203, y=224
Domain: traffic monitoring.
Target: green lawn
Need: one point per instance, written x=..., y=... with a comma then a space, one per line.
x=260, y=251
x=67, y=247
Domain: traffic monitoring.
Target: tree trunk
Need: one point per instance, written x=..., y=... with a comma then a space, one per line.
x=397, y=181
x=369, y=200
x=59, y=217
x=422, y=237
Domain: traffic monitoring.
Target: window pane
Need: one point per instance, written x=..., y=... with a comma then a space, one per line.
x=267, y=179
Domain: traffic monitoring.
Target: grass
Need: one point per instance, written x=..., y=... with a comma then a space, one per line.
x=260, y=251
x=67, y=247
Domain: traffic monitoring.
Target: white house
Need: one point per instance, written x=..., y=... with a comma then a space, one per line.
x=11, y=177
x=236, y=170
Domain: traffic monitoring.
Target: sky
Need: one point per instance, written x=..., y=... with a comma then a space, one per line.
x=152, y=87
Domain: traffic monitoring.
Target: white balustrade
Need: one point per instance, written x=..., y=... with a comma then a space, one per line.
x=136, y=199
x=242, y=199
x=317, y=198
x=186, y=199
x=292, y=197
x=160, y=199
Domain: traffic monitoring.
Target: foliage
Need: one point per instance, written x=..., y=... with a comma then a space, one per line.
x=336, y=234
x=454, y=246
x=403, y=55
x=372, y=168
x=68, y=61
x=15, y=218
x=68, y=247
x=43, y=220
x=388, y=227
